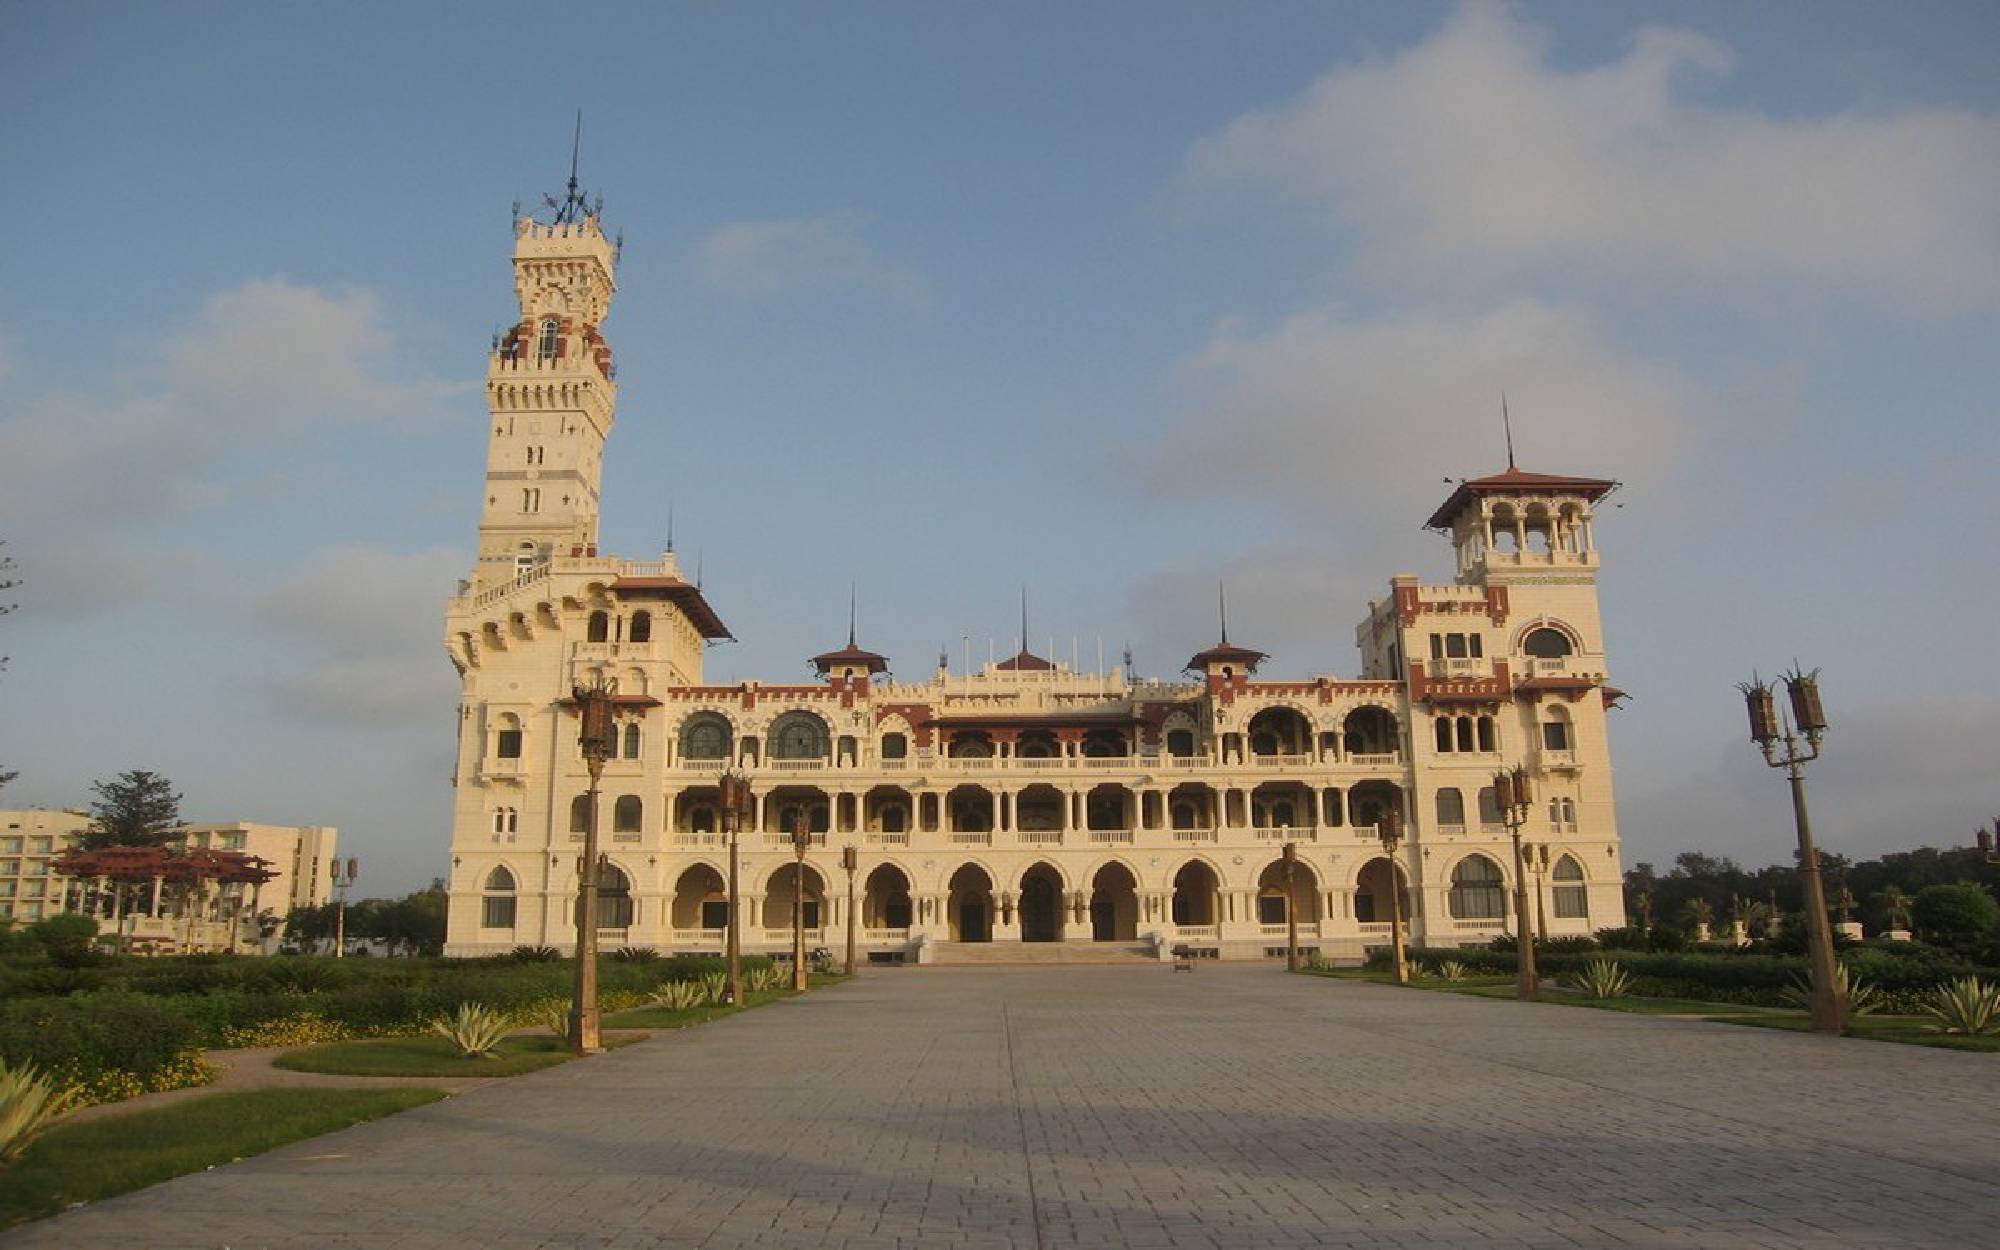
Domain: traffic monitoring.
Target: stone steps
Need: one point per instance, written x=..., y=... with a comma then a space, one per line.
x=961, y=953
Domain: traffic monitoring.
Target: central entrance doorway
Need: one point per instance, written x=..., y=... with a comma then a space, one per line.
x=970, y=908
x=1041, y=905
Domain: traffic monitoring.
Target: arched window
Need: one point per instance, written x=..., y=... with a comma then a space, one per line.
x=640, y=628
x=507, y=737
x=1465, y=733
x=599, y=628
x=632, y=741
x=798, y=736
x=705, y=738
x=892, y=818
x=1476, y=890
x=614, y=897
x=895, y=747
x=1451, y=806
x=579, y=813
x=524, y=560
x=628, y=814
x=971, y=745
x=1569, y=812
x=1442, y=725
x=1546, y=643
x=497, y=903
x=550, y=339
x=1489, y=806
x=1572, y=896
x=1488, y=739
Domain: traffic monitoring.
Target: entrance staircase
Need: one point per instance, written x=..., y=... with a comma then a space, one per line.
x=1041, y=953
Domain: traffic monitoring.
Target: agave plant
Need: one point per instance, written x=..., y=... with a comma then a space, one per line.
x=1967, y=1005
x=1603, y=978
x=555, y=1014
x=29, y=1103
x=714, y=986
x=1862, y=998
x=1450, y=970
x=679, y=995
x=475, y=1029
x=762, y=978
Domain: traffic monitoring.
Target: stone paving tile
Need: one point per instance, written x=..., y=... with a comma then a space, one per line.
x=1239, y=1109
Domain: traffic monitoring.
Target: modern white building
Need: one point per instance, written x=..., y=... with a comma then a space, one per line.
x=1025, y=804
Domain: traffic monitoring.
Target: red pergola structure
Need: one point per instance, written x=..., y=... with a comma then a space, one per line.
x=186, y=868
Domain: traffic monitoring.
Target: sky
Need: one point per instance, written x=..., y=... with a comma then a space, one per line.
x=1111, y=301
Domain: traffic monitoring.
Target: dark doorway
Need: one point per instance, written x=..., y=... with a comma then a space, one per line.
x=1041, y=905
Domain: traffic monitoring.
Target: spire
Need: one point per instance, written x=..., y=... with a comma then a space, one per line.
x=850, y=614
x=575, y=204
x=1507, y=423
x=1222, y=609
x=670, y=528
x=1024, y=618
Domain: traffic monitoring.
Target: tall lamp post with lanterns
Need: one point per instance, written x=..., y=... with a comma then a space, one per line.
x=1768, y=731
x=850, y=859
x=1391, y=832
x=599, y=740
x=342, y=881
x=1514, y=793
x=736, y=804
x=1291, y=907
x=801, y=839
x=1538, y=863
x=1984, y=839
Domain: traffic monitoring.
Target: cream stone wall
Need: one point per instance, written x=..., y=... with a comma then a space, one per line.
x=1065, y=831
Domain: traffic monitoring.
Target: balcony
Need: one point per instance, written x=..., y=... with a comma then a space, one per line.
x=1563, y=761
x=1041, y=837
x=1458, y=666
x=1282, y=833
x=1373, y=759
x=1282, y=761
x=1190, y=836
x=501, y=770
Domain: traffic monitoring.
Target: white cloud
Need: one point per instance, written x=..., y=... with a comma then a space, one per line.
x=1470, y=157
x=1358, y=420
x=755, y=258
x=1299, y=602
x=366, y=623
x=253, y=365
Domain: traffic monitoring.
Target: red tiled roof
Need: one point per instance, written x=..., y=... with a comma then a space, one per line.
x=851, y=654
x=684, y=595
x=1226, y=653
x=1517, y=481
x=1025, y=662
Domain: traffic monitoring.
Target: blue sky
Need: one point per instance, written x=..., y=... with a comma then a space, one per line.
x=1111, y=300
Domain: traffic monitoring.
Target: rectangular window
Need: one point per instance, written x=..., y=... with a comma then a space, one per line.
x=10, y=846
x=508, y=746
x=1572, y=902
x=896, y=914
x=1454, y=646
x=715, y=914
x=39, y=846
x=498, y=913
x=1270, y=909
x=1555, y=735
x=1475, y=645
x=1437, y=646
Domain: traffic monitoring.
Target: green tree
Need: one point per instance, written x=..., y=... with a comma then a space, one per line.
x=1960, y=912
x=413, y=924
x=137, y=808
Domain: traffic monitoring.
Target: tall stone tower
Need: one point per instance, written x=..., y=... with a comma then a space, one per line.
x=550, y=392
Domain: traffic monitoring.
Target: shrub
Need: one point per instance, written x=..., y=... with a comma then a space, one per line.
x=1450, y=970
x=536, y=954
x=635, y=954
x=1954, y=913
x=68, y=938
x=308, y=1028
x=474, y=1029
x=1603, y=978
x=1968, y=1006
x=91, y=1035
x=30, y=1101
x=1571, y=945
x=714, y=986
x=1629, y=938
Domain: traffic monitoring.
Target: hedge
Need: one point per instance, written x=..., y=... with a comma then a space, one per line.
x=111, y=1045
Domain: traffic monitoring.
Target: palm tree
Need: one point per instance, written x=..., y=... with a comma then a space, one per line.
x=1897, y=904
x=1702, y=913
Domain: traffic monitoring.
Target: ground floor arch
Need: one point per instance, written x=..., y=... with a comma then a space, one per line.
x=1114, y=904
x=1284, y=890
x=1041, y=904
x=969, y=905
x=787, y=883
x=1197, y=891
x=1372, y=898
x=885, y=903
x=701, y=899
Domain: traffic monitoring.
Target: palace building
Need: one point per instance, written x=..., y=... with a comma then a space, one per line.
x=1026, y=810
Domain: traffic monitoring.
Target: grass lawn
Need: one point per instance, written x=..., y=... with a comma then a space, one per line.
x=84, y=1162
x=1906, y=1029
x=431, y=1055
x=1486, y=985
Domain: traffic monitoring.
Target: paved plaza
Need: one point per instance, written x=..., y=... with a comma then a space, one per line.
x=1132, y=1106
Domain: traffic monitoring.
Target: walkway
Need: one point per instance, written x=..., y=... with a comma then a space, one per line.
x=1235, y=1107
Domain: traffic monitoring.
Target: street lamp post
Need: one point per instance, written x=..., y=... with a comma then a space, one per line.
x=1391, y=833
x=1808, y=718
x=1514, y=793
x=1984, y=839
x=1538, y=860
x=850, y=859
x=599, y=739
x=801, y=839
x=1291, y=907
x=736, y=801
x=340, y=887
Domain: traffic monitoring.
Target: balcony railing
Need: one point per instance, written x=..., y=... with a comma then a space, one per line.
x=1041, y=837
x=1211, y=932
x=1300, y=760
x=1111, y=836
x=1373, y=759
x=1194, y=835
x=886, y=935
x=972, y=838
